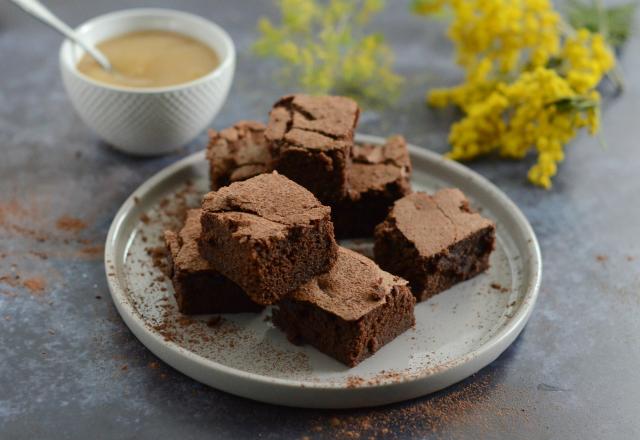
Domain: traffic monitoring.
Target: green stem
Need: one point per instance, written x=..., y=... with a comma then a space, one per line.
x=603, y=26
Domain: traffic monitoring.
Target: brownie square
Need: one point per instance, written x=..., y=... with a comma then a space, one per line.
x=377, y=177
x=311, y=139
x=199, y=288
x=434, y=241
x=267, y=234
x=349, y=312
x=237, y=153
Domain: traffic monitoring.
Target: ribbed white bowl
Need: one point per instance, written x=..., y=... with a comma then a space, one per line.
x=153, y=120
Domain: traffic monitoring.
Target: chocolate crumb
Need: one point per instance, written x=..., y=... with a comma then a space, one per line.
x=601, y=258
x=499, y=287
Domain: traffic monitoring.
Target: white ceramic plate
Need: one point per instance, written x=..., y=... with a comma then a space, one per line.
x=457, y=332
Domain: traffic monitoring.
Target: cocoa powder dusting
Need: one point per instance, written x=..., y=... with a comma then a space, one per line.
x=29, y=219
x=11, y=208
x=10, y=280
x=472, y=404
x=92, y=251
x=170, y=215
x=70, y=224
x=354, y=381
x=35, y=285
x=17, y=219
x=159, y=259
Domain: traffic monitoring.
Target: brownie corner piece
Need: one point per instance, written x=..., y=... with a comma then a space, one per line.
x=198, y=287
x=267, y=234
x=237, y=153
x=434, y=241
x=311, y=139
x=350, y=312
x=378, y=176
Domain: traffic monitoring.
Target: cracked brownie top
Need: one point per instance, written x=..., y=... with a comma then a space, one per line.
x=268, y=201
x=333, y=117
x=433, y=223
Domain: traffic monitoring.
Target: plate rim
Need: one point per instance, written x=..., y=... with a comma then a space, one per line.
x=171, y=352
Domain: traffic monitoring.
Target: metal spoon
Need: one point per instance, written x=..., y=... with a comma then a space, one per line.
x=39, y=11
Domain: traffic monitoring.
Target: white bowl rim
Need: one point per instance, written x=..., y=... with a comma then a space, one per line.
x=226, y=63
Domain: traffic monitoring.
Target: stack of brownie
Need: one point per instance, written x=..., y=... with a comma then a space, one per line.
x=282, y=193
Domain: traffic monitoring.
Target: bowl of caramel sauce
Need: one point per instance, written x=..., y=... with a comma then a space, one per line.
x=171, y=73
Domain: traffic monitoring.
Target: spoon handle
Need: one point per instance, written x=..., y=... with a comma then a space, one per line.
x=39, y=11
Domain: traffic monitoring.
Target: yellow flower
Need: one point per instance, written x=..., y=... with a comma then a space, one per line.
x=322, y=46
x=527, y=88
x=439, y=97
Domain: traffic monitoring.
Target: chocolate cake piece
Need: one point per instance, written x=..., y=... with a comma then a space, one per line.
x=311, y=139
x=237, y=153
x=349, y=312
x=434, y=241
x=199, y=288
x=268, y=234
x=377, y=177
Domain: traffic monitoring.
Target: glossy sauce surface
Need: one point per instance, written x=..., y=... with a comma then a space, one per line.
x=151, y=58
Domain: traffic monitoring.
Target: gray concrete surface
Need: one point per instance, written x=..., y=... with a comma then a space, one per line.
x=69, y=368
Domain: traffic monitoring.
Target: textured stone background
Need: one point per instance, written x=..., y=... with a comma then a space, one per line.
x=69, y=368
